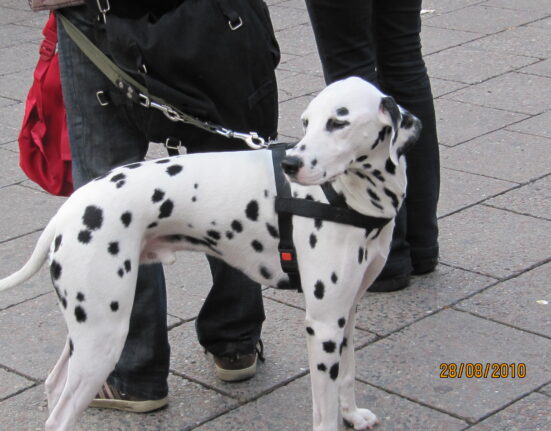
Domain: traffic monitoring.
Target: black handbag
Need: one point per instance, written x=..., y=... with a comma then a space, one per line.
x=212, y=59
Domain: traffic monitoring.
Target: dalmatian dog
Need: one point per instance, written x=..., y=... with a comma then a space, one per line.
x=222, y=204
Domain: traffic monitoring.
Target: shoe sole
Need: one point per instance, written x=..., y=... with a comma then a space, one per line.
x=129, y=406
x=235, y=375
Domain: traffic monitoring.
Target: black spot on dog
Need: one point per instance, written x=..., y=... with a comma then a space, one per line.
x=265, y=272
x=344, y=344
x=310, y=330
x=120, y=272
x=341, y=322
x=93, y=217
x=329, y=346
x=334, y=124
x=55, y=270
x=313, y=240
x=318, y=223
x=360, y=175
x=84, y=236
x=377, y=205
x=237, y=226
x=57, y=242
x=113, y=248
x=117, y=178
x=174, y=170
x=64, y=303
x=373, y=195
x=370, y=180
x=133, y=165
x=266, y=193
x=114, y=306
x=334, y=371
x=319, y=289
x=126, y=218
x=334, y=278
x=302, y=147
x=313, y=163
x=194, y=199
x=229, y=234
x=152, y=225
x=322, y=367
x=342, y=111
x=80, y=314
x=272, y=230
x=393, y=197
x=80, y=297
x=158, y=196
x=127, y=265
x=120, y=184
x=361, y=158
x=309, y=197
x=360, y=255
x=71, y=347
x=162, y=161
x=367, y=165
x=214, y=234
x=252, y=210
x=257, y=246
x=390, y=167
x=377, y=174
x=378, y=233
x=173, y=238
x=166, y=209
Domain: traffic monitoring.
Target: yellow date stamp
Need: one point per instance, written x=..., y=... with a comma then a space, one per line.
x=477, y=370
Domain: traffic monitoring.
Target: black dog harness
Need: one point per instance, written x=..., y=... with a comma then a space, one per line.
x=286, y=206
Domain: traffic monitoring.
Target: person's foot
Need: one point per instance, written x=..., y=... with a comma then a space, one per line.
x=390, y=284
x=238, y=367
x=424, y=267
x=109, y=397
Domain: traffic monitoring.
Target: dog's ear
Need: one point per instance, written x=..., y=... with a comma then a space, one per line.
x=389, y=114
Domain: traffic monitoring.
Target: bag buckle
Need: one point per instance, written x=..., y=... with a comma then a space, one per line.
x=47, y=49
x=235, y=26
x=104, y=7
x=102, y=97
x=173, y=144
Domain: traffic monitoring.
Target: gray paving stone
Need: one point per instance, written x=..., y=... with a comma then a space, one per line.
x=33, y=335
x=526, y=40
x=468, y=19
x=537, y=125
x=530, y=413
x=515, y=302
x=517, y=92
x=386, y=313
x=408, y=363
x=289, y=116
x=543, y=23
x=307, y=64
x=460, y=189
x=25, y=412
x=442, y=86
x=459, y=122
x=10, y=173
x=533, y=199
x=546, y=390
x=25, y=57
x=543, y=68
x=289, y=409
x=493, y=241
x=296, y=84
x=284, y=347
x=444, y=6
x=284, y=18
x=11, y=383
x=298, y=40
x=13, y=34
x=9, y=15
x=436, y=39
x=13, y=254
x=11, y=117
x=16, y=86
x=24, y=210
x=4, y=101
x=505, y=155
x=462, y=64
x=538, y=5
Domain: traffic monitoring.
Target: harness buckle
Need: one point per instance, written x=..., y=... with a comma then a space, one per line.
x=288, y=259
x=236, y=25
x=102, y=97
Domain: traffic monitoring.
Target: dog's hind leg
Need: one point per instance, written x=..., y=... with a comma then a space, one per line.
x=57, y=377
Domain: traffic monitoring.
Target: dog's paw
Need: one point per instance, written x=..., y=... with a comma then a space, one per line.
x=360, y=419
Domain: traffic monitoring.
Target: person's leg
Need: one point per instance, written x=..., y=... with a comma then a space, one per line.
x=100, y=140
x=402, y=73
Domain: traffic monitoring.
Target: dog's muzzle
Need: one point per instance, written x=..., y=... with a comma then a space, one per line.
x=291, y=164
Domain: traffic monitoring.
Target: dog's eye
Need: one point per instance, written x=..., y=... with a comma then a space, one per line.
x=334, y=124
x=305, y=123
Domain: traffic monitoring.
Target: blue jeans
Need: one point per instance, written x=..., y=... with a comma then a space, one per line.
x=380, y=41
x=103, y=137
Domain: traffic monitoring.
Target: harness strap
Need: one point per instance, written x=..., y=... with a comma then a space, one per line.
x=286, y=247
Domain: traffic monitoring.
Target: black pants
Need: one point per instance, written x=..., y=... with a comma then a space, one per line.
x=380, y=42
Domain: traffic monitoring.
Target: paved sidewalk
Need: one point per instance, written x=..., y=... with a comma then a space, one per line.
x=489, y=302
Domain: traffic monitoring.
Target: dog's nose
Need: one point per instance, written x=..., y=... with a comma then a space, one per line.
x=291, y=164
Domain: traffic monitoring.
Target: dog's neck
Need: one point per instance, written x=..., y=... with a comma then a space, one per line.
x=374, y=189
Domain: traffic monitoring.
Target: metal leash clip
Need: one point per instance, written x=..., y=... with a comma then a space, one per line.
x=104, y=7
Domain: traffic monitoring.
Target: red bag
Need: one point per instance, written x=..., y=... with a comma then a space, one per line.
x=44, y=153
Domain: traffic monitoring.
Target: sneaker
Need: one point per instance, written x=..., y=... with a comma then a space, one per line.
x=109, y=397
x=238, y=367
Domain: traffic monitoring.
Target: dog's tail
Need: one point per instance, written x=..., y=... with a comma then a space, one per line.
x=39, y=255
